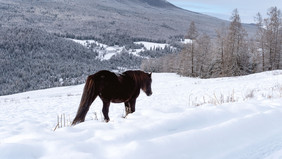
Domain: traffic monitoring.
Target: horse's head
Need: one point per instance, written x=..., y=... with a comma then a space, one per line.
x=147, y=84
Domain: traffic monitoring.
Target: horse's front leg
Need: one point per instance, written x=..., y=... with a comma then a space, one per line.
x=130, y=106
x=127, y=108
x=105, y=110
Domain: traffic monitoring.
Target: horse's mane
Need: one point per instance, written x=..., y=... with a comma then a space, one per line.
x=138, y=76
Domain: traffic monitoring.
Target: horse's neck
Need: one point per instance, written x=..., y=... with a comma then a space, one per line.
x=120, y=78
x=136, y=77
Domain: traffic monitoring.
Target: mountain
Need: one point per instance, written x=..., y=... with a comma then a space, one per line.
x=149, y=19
x=155, y=3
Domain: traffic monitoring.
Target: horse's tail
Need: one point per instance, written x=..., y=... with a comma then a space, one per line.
x=88, y=96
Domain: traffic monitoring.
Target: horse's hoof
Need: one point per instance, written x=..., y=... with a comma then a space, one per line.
x=107, y=120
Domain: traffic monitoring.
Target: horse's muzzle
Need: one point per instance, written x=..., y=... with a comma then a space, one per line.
x=149, y=93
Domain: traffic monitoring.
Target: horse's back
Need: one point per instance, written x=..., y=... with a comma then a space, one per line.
x=105, y=80
x=104, y=75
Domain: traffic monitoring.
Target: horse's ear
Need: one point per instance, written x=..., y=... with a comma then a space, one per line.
x=150, y=74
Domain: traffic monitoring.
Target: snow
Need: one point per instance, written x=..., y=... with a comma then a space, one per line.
x=187, y=41
x=87, y=42
x=236, y=117
x=106, y=52
x=152, y=45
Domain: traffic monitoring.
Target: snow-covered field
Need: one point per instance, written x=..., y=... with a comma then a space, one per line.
x=185, y=118
x=152, y=45
x=107, y=52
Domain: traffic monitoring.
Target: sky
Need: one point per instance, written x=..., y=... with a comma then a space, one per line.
x=223, y=8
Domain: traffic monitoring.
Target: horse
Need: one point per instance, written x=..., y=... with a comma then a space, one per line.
x=115, y=88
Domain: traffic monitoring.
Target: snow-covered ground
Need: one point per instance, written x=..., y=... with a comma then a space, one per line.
x=186, y=41
x=107, y=52
x=185, y=118
x=152, y=45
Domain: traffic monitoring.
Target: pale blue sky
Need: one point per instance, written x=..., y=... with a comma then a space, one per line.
x=223, y=8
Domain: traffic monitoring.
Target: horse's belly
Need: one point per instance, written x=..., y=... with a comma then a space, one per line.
x=115, y=96
x=118, y=100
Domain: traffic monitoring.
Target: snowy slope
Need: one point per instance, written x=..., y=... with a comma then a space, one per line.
x=238, y=117
x=107, y=52
x=152, y=45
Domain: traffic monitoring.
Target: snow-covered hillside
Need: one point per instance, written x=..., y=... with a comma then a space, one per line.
x=107, y=52
x=238, y=117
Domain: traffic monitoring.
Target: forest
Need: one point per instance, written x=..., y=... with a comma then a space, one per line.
x=231, y=53
x=33, y=59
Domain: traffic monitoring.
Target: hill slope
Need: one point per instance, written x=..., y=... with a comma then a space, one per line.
x=166, y=125
x=148, y=19
x=33, y=59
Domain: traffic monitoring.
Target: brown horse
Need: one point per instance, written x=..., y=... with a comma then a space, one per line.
x=114, y=88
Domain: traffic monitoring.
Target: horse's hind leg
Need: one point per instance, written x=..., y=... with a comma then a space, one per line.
x=105, y=110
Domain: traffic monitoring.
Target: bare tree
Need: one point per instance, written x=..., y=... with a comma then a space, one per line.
x=255, y=56
x=221, y=39
x=269, y=38
x=203, y=50
x=273, y=41
x=192, y=34
x=184, y=62
x=236, y=53
x=260, y=37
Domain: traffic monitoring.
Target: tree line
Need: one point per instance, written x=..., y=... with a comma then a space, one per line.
x=230, y=53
